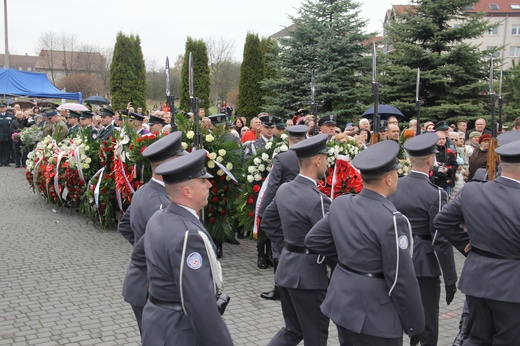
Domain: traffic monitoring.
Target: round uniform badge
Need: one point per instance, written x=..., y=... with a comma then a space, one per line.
x=403, y=242
x=194, y=260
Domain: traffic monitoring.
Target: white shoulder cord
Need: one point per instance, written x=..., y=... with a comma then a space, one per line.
x=321, y=258
x=253, y=149
x=397, y=247
x=182, y=269
x=216, y=270
x=440, y=207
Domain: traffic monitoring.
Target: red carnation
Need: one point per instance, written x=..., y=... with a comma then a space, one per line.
x=222, y=177
x=214, y=199
x=213, y=182
x=251, y=214
x=214, y=190
x=250, y=200
x=211, y=210
x=212, y=220
x=222, y=212
x=256, y=188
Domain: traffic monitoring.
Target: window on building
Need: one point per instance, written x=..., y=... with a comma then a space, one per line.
x=29, y=69
x=515, y=30
x=493, y=31
x=515, y=6
x=494, y=7
x=514, y=51
x=469, y=8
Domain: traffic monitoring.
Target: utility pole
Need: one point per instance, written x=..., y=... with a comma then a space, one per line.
x=6, y=61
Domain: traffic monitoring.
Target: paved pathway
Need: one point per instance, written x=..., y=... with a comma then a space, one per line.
x=61, y=279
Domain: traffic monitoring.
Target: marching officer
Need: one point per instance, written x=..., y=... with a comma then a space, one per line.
x=285, y=168
x=183, y=271
x=373, y=293
x=146, y=201
x=420, y=200
x=301, y=274
x=491, y=273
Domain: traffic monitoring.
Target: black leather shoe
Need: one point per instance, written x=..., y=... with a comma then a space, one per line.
x=219, y=251
x=233, y=241
x=262, y=262
x=274, y=294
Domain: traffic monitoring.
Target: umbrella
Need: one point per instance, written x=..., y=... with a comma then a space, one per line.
x=96, y=100
x=47, y=103
x=74, y=107
x=384, y=111
x=24, y=103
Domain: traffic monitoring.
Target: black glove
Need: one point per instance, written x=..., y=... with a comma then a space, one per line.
x=450, y=293
x=414, y=340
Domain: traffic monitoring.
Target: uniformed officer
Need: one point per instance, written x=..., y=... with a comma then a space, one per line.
x=146, y=201
x=73, y=122
x=373, y=293
x=491, y=273
x=136, y=120
x=183, y=272
x=285, y=168
x=301, y=274
x=156, y=124
x=57, y=127
x=267, y=133
x=86, y=124
x=106, y=121
x=327, y=124
x=5, y=134
x=420, y=201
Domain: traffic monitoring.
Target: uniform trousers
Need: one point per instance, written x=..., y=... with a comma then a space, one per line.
x=138, y=312
x=493, y=322
x=303, y=318
x=5, y=151
x=430, y=288
x=350, y=338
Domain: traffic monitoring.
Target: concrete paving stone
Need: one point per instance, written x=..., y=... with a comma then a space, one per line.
x=40, y=341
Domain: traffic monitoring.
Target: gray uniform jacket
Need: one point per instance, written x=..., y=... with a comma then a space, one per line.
x=359, y=231
x=285, y=168
x=418, y=199
x=251, y=148
x=490, y=212
x=163, y=244
x=298, y=205
x=106, y=132
x=147, y=200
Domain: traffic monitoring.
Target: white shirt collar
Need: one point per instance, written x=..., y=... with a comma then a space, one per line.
x=158, y=181
x=426, y=174
x=313, y=181
x=517, y=181
x=190, y=210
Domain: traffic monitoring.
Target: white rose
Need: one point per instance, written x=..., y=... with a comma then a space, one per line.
x=229, y=166
x=85, y=166
x=258, y=177
x=79, y=141
x=250, y=178
x=210, y=138
x=211, y=164
x=184, y=145
x=88, y=160
x=222, y=152
x=269, y=168
x=265, y=157
x=220, y=172
x=219, y=159
x=261, y=167
x=251, y=169
x=190, y=134
x=228, y=178
x=284, y=147
x=268, y=145
x=83, y=157
x=87, y=148
x=283, y=136
x=212, y=156
x=257, y=161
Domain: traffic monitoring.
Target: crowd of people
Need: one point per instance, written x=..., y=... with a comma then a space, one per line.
x=375, y=278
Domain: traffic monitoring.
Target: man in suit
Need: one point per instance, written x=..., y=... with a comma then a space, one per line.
x=146, y=201
x=285, y=168
x=480, y=126
x=183, y=271
x=373, y=293
x=5, y=134
x=86, y=124
x=420, y=201
x=301, y=275
x=491, y=273
x=106, y=122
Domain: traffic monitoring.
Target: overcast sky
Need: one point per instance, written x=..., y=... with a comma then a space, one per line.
x=163, y=25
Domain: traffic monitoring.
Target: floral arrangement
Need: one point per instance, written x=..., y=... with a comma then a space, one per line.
x=256, y=171
x=15, y=136
x=30, y=136
x=141, y=166
x=342, y=177
x=407, y=166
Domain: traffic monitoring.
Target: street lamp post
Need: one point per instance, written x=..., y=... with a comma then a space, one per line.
x=6, y=61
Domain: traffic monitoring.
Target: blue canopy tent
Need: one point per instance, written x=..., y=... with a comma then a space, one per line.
x=33, y=84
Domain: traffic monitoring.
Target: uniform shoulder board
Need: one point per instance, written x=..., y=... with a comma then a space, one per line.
x=391, y=208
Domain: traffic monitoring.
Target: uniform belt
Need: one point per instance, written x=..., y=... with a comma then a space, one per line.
x=489, y=254
x=175, y=306
x=417, y=237
x=368, y=275
x=299, y=249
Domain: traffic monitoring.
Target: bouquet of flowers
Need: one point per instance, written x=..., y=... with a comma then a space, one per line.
x=407, y=166
x=30, y=136
x=256, y=172
x=141, y=167
x=342, y=177
x=15, y=136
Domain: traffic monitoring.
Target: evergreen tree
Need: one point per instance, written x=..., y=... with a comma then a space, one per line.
x=270, y=54
x=510, y=93
x=201, y=74
x=453, y=72
x=251, y=74
x=127, y=73
x=327, y=37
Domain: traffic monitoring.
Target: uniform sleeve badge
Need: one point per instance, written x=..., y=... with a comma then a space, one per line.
x=194, y=260
x=403, y=242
